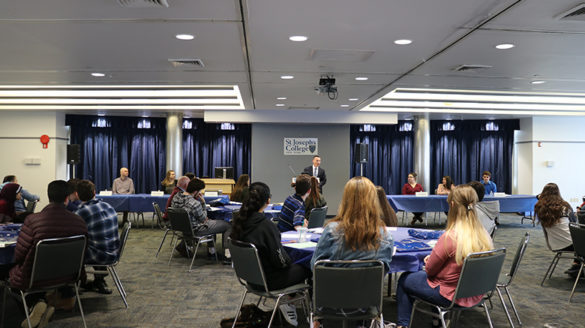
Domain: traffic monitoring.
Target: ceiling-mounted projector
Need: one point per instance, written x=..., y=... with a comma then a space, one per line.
x=327, y=86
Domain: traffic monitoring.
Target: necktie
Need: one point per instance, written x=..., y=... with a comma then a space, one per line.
x=315, y=172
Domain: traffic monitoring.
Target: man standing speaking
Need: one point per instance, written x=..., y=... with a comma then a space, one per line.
x=316, y=171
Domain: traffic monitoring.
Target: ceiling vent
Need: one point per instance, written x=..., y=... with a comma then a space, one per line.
x=195, y=62
x=303, y=107
x=143, y=3
x=575, y=14
x=471, y=68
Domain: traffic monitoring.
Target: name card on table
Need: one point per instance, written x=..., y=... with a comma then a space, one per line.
x=421, y=194
x=211, y=193
x=500, y=194
x=106, y=193
x=157, y=193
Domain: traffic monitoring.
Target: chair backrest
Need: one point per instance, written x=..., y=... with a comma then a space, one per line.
x=317, y=217
x=124, y=238
x=348, y=284
x=247, y=263
x=480, y=273
x=31, y=205
x=179, y=219
x=518, y=257
x=578, y=236
x=581, y=216
x=57, y=260
x=157, y=211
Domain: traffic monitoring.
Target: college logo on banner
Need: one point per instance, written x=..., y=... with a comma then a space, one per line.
x=301, y=146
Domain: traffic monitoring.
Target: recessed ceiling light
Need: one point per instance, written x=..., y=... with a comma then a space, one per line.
x=279, y=105
x=344, y=105
x=185, y=37
x=287, y=77
x=354, y=99
x=361, y=78
x=98, y=74
x=505, y=46
x=403, y=41
x=538, y=82
x=281, y=98
x=298, y=38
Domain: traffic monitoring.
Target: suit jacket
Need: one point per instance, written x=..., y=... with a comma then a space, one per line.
x=320, y=174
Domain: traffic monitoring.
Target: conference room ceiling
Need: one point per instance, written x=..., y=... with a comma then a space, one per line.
x=246, y=44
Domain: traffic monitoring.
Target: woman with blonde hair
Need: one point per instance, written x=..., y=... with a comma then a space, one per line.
x=169, y=183
x=356, y=233
x=464, y=235
x=241, y=189
x=315, y=198
x=387, y=212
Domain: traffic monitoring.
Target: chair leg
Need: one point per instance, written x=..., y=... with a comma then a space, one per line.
x=239, y=308
x=576, y=281
x=274, y=311
x=504, y=306
x=487, y=313
x=118, y=283
x=173, y=247
x=162, y=242
x=195, y=254
x=442, y=317
x=556, y=258
x=4, y=291
x=513, y=306
x=79, y=303
x=25, y=309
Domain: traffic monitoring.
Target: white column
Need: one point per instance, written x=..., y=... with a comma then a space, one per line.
x=175, y=143
x=422, y=151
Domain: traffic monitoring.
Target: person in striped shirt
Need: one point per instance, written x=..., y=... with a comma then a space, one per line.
x=292, y=215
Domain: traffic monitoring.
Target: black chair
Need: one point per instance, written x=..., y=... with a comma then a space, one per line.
x=479, y=275
x=161, y=224
x=503, y=285
x=317, y=217
x=57, y=260
x=578, y=237
x=181, y=228
x=111, y=268
x=559, y=254
x=250, y=274
x=348, y=290
x=31, y=205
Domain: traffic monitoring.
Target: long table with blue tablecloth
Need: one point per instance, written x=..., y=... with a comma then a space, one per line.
x=438, y=203
x=143, y=202
x=410, y=261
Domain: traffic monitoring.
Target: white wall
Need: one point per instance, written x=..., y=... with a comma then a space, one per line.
x=558, y=140
x=20, y=134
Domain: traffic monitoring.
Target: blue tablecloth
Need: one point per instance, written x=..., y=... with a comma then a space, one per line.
x=225, y=212
x=438, y=203
x=7, y=252
x=143, y=202
x=401, y=261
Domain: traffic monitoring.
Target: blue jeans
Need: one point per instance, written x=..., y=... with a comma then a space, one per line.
x=415, y=284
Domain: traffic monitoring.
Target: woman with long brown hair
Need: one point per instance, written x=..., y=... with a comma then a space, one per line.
x=241, y=189
x=464, y=235
x=315, y=198
x=169, y=183
x=356, y=233
x=554, y=215
x=387, y=212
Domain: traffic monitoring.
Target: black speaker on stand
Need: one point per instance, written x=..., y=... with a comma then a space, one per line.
x=361, y=155
x=73, y=157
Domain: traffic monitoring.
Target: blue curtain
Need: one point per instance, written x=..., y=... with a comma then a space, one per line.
x=109, y=143
x=208, y=145
x=464, y=149
x=390, y=153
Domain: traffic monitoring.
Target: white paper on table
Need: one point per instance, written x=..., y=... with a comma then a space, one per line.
x=307, y=244
x=213, y=209
x=391, y=228
x=431, y=242
x=290, y=235
x=318, y=230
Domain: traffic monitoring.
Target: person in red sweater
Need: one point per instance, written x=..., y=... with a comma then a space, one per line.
x=411, y=188
x=464, y=235
x=181, y=187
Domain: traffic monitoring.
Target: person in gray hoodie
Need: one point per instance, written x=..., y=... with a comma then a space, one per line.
x=487, y=211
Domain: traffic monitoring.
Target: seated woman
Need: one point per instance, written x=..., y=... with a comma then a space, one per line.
x=241, y=189
x=554, y=215
x=464, y=235
x=388, y=214
x=444, y=188
x=8, y=195
x=411, y=188
x=357, y=232
x=315, y=198
x=253, y=227
x=169, y=183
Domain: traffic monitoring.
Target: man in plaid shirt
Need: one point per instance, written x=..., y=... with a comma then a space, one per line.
x=102, y=225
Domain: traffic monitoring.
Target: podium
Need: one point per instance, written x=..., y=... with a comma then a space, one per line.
x=225, y=185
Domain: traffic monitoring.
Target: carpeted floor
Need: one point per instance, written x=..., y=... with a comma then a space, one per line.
x=160, y=295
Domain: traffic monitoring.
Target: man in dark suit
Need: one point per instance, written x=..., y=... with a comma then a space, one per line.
x=317, y=171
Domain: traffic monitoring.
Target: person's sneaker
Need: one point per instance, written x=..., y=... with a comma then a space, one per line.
x=46, y=317
x=573, y=269
x=36, y=314
x=289, y=312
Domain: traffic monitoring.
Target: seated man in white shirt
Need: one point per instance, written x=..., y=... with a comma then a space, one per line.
x=123, y=184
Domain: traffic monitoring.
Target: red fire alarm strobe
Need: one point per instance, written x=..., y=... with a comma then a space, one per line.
x=45, y=140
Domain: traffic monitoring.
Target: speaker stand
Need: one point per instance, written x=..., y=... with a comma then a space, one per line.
x=362, y=169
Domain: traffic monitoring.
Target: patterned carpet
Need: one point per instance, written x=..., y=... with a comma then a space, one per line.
x=160, y=295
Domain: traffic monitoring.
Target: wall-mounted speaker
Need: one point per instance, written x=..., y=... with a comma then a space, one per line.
x=73, y=154
x=360, y=153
